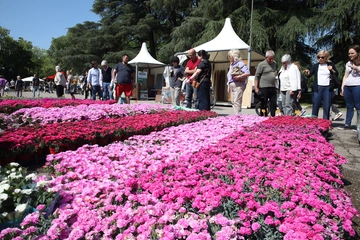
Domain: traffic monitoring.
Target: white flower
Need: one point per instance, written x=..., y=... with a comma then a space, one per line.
x=21, y=207
x=4, y=187
x=26, y=191
x=7, y=172
x=50, y=190
x=3, y=182
x=31, y=176
x=14, y=164
x=13, y=169
x=17, y=190
x=4, y=214
x=14, y=176
x=3, y=196
x=42, y=183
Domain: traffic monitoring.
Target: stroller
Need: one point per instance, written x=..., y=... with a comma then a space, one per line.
x=262, y=112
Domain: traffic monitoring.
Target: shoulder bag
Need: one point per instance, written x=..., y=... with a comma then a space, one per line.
x=334, y=80
x=196, y=84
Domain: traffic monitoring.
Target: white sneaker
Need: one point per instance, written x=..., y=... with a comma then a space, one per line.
x=302, y=112
x=337, y=116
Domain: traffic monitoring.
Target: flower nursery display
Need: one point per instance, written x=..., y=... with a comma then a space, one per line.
x=91, y=112
x=11, y=105
x=28, y=139
x=235, y=177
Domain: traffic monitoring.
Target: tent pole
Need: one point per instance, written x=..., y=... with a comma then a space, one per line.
x=136, y=72
x=250, y=38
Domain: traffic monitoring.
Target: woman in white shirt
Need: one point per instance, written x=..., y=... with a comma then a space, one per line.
x=290, y=84
x=322, y=91
x=350, y=88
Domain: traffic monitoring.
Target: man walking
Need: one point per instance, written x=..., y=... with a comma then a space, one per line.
x=189, y=71
x=106, y=73
x=36, y=85
x=95, y=80
x=124, y=78
x=265, y=82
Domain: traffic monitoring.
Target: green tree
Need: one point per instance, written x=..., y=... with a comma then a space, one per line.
x=337, y=28
x=15, y=56
x=43, y=64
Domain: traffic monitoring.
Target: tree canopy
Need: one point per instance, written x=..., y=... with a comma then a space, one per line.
x=20, y=57
x=297, y=27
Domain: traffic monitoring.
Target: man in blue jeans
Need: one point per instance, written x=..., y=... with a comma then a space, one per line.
x=36, y=85
x=95, y=80
x=190, y=69
x=106, y=80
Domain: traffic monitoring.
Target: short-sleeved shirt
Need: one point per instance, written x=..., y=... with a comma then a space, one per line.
x=266, y=74
x=243, y=68
x=192, y=65
x=205, y=67
x=353, y=78
x=124, y=73
x=178, y=72
x=36, y=82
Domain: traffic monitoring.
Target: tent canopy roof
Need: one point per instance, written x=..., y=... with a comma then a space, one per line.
x=145, y=60
x=29, y=79
x=226, y=40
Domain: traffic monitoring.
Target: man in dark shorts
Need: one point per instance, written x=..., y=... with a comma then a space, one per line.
x=125, y=76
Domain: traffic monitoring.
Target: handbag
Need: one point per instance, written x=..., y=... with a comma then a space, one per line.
x=334, y=81
x=236, y=71
x=196, y=84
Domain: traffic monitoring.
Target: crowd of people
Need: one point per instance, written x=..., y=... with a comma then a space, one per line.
x=103, y=83
x=18, y=86
x=196, y=77
x=269, y=83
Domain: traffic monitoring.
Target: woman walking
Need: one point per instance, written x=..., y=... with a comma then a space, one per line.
x=60, y=82
x=322, y=90
x=19, y=84
x=350, y=88
x=237, y=79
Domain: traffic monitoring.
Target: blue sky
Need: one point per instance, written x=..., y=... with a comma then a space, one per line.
x=39, y=21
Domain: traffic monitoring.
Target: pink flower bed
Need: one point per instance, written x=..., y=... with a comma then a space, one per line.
x=28, y=139
x=91, y=112
x=9, y=106
x=225, y=178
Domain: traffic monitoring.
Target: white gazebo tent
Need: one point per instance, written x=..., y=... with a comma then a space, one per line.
x=219, y=47
x=29, y=79
x=226, y=40
x=144, y=60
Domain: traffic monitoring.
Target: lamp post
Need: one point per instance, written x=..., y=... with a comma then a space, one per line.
x=250, y=38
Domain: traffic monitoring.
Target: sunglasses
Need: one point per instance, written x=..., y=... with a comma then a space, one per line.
x=320, y=57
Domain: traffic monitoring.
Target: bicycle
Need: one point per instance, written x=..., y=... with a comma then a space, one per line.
x=183, y=98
